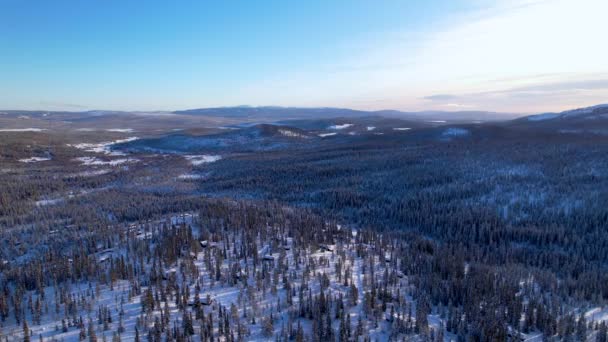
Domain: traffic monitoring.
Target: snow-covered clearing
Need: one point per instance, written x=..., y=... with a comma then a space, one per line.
x=22, y=129
x=599, y=314
x=455, y=132
x=103, y=147
x=338, y=127
x=202, y=159
x=34, y=159
x=92, y=173
x=401, y=128
x=323, y=135
x=190, y=176
x=289, y=133
x=48, y=202
x=120, y=130
x=371, y=128
x=97, y=161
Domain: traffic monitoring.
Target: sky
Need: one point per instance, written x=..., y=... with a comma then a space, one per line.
x=518, y=56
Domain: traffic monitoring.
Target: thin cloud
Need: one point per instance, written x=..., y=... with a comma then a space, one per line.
x=563, y=94
x=457, y=105
x=64, y=105
x=440, y=97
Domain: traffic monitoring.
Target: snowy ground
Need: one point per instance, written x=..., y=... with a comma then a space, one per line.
x=112, y=162
x=22, y=129
x=338, y=127
x=103, y=147
x=202, y=159
x=34, y=159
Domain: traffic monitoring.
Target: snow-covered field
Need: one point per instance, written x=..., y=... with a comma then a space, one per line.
x=323, y=135
x=202, y=159
x=342, y=126
x=112, y=162
x=455, y=132
x=289, y=133
x=120, y=130
x=22, y=129
x=34, y=159
x=103, y=147
x=92, y=173
x=190, y=176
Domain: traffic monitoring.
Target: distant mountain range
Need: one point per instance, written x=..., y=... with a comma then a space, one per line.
x=286, y=113
x=281, y=113
x=592, y=119
x=589, y=119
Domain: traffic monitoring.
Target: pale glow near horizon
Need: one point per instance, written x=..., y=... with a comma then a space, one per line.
x=530, y=56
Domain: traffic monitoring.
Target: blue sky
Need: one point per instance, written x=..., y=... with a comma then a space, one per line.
x=516, y=55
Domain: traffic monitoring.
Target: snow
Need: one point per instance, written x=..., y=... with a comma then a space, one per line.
x=103, y=147
x=202, y=159
x=22, y=129
x=401, y=128
x=189, y=176
x=542, y=117
x=92, y=173
x=33, y=159
x=597, y=314
x=343, y=126
x=371, y=128
x=97, y=161
x=437, y=121
x=120, y=130
x=48, y=202
x=289, y=133
x=580, y=111
x=455, y=132
x=323, y=135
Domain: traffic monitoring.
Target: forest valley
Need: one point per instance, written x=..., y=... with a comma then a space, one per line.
x=349, y=229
